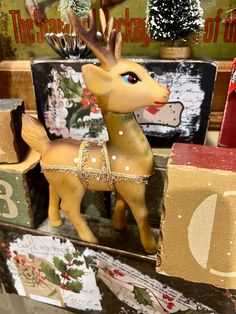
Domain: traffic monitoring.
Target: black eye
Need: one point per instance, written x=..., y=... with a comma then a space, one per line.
x=130, y=77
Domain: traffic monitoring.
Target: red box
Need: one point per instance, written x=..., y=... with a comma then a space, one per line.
x=228, y=129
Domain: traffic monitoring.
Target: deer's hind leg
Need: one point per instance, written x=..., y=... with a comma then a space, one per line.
x=134, y=195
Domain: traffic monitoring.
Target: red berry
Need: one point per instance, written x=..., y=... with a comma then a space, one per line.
x=170, y=299
x=165, y=296
x=8, y=253
x=3, y=245
x=16, y=258
x=69, y=264
x=15, y=252
x=23, y=260
x=63, y=286
x=170, y=305
x=111, y=273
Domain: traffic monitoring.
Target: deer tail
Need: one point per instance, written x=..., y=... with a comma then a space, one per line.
x=34, y=134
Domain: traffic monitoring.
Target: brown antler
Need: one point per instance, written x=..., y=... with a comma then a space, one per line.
x=107, y=54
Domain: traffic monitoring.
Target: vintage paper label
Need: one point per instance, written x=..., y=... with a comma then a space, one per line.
x=141, y=292
x=51, y=271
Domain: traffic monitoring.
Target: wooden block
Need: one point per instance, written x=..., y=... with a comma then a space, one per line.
x=16, y=82
x=12, y=146
x=199, y=219
x=23, y=192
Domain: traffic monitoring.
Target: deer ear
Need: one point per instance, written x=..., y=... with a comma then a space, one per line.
x=97, y=80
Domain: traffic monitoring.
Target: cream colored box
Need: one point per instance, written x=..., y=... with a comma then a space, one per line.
x=12, y=146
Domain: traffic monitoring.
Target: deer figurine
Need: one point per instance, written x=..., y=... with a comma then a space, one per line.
x=125, y=162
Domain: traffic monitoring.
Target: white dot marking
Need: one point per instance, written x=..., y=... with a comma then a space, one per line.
x=113, y=157
x=76, y=160
x=94, y=160
x=127, y=168
x=121, y=132
x=228, y=253
x=179, y=216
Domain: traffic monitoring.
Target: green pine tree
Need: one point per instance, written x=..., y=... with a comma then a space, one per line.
x=172, y=20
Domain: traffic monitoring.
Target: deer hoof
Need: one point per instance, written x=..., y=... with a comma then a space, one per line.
x=56, y=223
x=151, y=249
x=119, y=225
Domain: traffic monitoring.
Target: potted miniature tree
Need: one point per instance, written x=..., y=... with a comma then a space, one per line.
x=173, y=22
x=66, y=44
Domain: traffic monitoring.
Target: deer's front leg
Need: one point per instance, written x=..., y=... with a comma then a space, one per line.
x=134, y=195
x=118, y=217
x=53, y=208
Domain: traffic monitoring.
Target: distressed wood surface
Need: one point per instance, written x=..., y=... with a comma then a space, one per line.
x=16, y=82
x=198, y=221
x=12, y=146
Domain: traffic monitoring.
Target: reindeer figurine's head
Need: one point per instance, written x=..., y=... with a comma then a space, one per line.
x=120, y=85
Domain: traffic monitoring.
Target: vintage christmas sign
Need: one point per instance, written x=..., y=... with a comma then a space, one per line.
x=199, y=217
x=24, y=23
x=67, y=108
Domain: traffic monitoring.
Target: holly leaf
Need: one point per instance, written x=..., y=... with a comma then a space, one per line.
x=50, y=273
x=77, y=262
x=142, y=296
x=72, y=90
x=76, y=254
x=68, y=256
x=74, y=286
x=59, y=264
x=75, y=273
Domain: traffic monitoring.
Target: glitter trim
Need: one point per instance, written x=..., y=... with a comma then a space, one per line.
x=95, y=173
x=104, y=174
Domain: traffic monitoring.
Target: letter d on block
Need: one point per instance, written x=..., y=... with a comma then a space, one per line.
x=202, y=223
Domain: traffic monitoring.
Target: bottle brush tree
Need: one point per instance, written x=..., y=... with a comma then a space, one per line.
x=79, y=7
x=173, y=20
